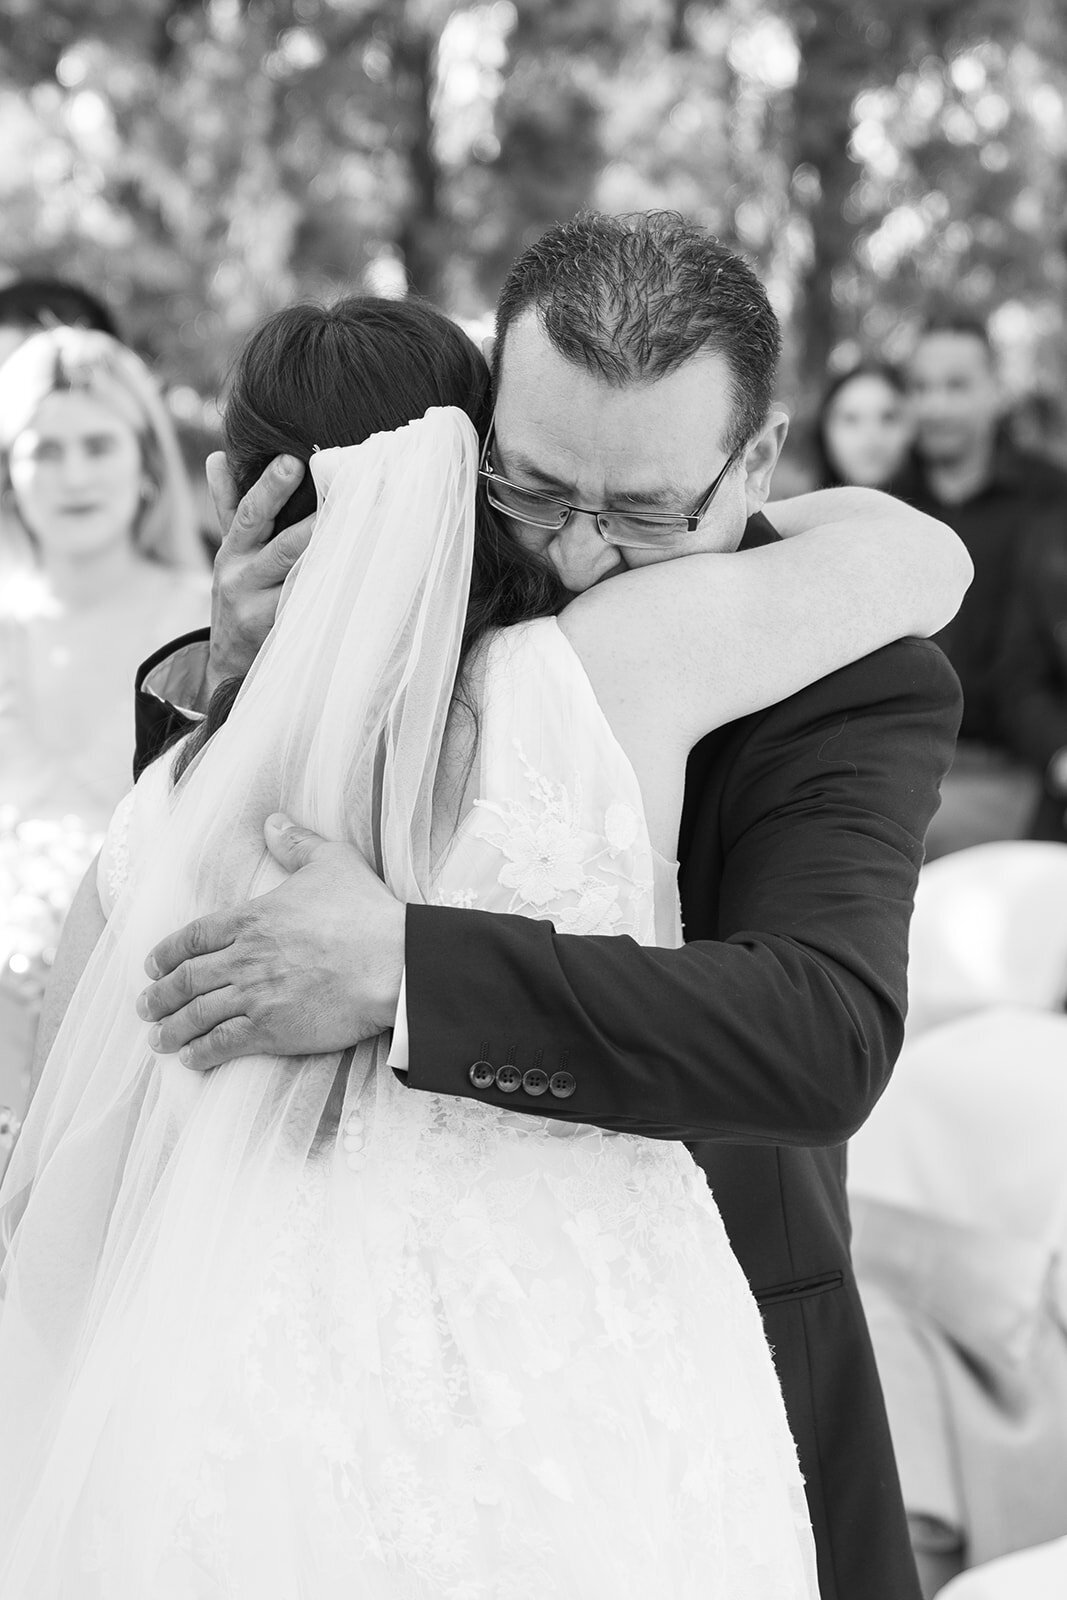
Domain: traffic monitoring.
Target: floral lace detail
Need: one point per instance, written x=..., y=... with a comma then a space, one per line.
x=462, y=1355
x=588, y=870
x=113, y=871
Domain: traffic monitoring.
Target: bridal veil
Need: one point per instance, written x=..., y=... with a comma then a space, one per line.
x=141, y=1195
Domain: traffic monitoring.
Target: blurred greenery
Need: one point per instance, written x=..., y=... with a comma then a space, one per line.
x=203, y=161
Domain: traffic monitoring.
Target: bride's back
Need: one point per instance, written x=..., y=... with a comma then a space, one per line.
x=537, y=809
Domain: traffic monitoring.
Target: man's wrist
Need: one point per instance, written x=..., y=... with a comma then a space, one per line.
x=389, y=963
x=219, y=670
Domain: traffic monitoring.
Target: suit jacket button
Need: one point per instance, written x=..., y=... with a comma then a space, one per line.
x=482, y=1074
x=508, y=1079
x=562, y=1085
x=535, y=1081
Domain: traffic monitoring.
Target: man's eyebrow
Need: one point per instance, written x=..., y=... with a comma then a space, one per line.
x=654, y=499
x=527, y=471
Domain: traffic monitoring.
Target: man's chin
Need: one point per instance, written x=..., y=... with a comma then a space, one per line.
x=946, y=451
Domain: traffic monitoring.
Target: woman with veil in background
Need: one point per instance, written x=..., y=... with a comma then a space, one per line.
x=288, y=1328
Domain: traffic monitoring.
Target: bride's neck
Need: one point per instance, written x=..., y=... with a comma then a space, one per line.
x=82, y=582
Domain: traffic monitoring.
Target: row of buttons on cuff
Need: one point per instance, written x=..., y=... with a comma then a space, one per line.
x=508, y=1079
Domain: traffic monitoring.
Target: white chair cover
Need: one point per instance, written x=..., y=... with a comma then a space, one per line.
x=990, y=928
x=1038, y=1574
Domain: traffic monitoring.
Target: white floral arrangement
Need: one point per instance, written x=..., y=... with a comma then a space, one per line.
x=41, y=865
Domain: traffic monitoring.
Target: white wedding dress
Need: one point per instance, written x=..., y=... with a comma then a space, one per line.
x=442, y=1352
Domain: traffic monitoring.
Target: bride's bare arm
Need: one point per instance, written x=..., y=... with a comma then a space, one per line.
x=703, y=640
x=83, y=926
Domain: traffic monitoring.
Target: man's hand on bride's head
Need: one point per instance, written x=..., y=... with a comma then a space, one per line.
x=311, y=967
x=250, y=567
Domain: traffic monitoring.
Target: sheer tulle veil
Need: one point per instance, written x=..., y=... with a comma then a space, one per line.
x=142, y=1198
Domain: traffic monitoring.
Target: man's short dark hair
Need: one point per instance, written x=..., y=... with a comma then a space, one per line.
x=962, y=323
x=631, y=298
x=48, y=302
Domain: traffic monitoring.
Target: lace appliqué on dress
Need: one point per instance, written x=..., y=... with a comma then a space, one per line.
x=113, y=870
x=586, y=870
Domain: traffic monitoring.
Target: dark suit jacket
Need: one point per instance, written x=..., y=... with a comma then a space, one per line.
x=763, y=1043
x=1031, y=679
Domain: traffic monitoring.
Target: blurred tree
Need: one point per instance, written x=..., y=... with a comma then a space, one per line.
x=202, y=161
x=206, y=160
x=929, y=148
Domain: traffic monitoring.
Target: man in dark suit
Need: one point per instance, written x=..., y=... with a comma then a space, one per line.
x=765, y=1041
x=967, y=472
x=1031, y=677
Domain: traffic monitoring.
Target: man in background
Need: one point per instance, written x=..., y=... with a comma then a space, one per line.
x=967, y=472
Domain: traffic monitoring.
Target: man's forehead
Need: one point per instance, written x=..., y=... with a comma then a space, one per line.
x=536, y=383
x=952, y=347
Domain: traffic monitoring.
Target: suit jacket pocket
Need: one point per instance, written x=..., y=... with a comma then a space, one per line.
x=799, y=1289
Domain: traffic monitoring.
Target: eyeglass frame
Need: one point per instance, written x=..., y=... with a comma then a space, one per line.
x=487, y=473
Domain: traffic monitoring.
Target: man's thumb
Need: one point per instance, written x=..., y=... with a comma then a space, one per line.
x=292, y=846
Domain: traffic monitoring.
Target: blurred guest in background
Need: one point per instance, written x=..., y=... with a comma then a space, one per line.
x=1031, y=681
x=1038, y=423
x=26, y=307
x=967, y=471
x=30, y=304
x=93, y=487
x=863, y=427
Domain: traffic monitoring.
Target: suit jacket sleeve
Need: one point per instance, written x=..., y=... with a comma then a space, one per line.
x=156, y=723
x=782, y=1024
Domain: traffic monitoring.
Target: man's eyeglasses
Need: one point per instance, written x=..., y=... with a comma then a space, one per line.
x=632, y=530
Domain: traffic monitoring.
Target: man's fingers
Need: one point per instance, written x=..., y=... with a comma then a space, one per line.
x=221, y=487
x=200, y=938
x=193, y=1021
x=232, y=1038
x=200, y=975
x=280, y=555
x=293, y=846
x=253, y=519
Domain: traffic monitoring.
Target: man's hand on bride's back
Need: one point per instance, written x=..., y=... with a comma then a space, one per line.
x=313, y=966
x=251, y=566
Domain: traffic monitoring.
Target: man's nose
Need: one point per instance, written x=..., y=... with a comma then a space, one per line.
x=581, y=556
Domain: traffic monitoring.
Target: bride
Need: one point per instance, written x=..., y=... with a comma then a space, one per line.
x=288, y=1329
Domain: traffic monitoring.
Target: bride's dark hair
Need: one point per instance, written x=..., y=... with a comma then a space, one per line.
x=320, y=376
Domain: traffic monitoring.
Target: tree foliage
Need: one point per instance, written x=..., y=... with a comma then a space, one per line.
x=203, y=161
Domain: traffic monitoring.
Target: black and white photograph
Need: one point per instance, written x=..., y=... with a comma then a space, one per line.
x=533, y=800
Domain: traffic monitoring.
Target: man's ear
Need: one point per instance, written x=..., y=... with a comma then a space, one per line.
x=761, y=458
x=488, y=346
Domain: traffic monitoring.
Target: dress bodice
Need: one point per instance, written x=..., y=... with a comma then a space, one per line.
x=558, y=827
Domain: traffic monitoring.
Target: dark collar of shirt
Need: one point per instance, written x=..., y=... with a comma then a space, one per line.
x=1014, y=474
